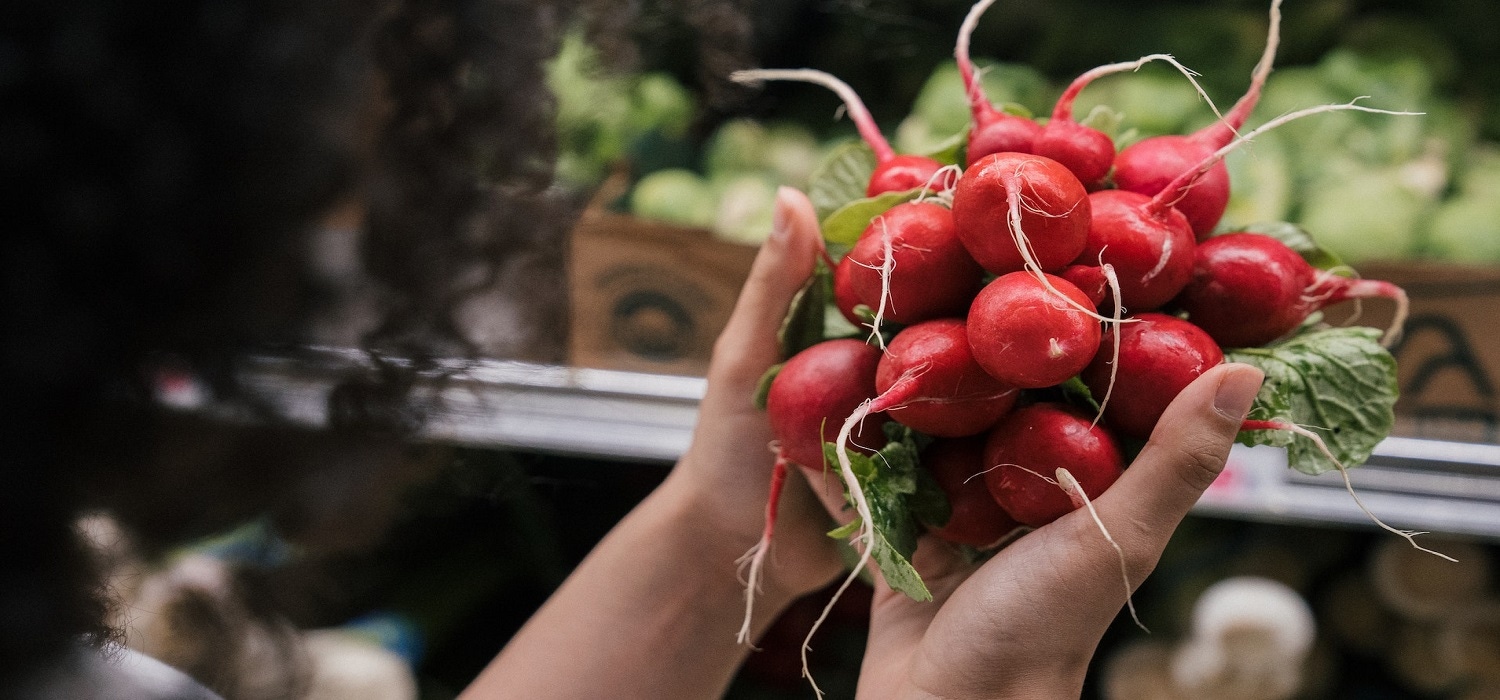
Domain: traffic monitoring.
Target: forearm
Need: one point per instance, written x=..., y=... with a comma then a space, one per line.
x=652, y=612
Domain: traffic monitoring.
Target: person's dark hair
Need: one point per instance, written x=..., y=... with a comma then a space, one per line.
x=165, y=162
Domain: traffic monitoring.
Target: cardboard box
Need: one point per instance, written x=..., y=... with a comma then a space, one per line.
x=647, y=296
x=1448, y=361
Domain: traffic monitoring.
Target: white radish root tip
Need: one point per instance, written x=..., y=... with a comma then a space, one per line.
x=1075, y=489
x=863, y=538
x=1178, y=187
x=1064, y=108
x=863, y=121
x=1409, y=535
x=1118, y=321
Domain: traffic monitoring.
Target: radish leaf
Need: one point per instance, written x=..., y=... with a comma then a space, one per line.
x=842, y=178
x=803, y=326
x=893, y=484
x=1337, y=382
x=848, y=222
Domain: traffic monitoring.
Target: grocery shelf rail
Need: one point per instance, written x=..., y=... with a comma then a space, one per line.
x=1430, y=485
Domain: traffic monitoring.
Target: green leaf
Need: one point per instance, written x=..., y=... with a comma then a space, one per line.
x=1015, y=109
x=1078, y=393
x=951, y=150
x=1298, y=239
x=842, y=178
x=1105, y=119
x=763, y=387
x=848, y=222
x=892, y=483
x=1337, y=382
x=846, y=530
x=929, y=504
x=803, y=326
x=895, y=539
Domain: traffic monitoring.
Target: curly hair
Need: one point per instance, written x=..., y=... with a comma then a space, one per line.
x=168, y=161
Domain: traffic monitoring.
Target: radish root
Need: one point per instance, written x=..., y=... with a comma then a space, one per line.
x=756, y=557
x=863, y=538
x=1410, y=535
x=1114, y=362
x=1063, y=110
x=1075, y=491
x=1178, y=187
x=863, y=121
x=1070, y=486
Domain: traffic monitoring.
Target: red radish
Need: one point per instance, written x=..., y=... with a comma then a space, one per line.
x=1027, y=335
x=893, y=173
x=957, y=464
x=1159, y=356
x=1031, y=444
x=952, y=396
x=1147, y=166
x=930, y=273
x=844, y=296
x=993, y=131
x=1015, y=211
x=807, y=403
x=1249, y=289
x=814, y=392
x=1089, y=279
x=1149, y=243
x=1086, y=151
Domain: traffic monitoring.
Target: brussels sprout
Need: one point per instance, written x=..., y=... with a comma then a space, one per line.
x=746, y=206
x=1364, y=214
x=675, y=195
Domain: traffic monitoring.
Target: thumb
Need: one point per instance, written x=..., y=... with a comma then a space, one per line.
x=1185, y=454
x=748, y=344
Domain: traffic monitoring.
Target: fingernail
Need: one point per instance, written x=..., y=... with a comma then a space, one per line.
x=1237, y=391
x=781, y=221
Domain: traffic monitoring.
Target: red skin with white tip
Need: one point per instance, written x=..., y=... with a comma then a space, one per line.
x=956, y=396
x=1026, y=336
x=932, y=274
x=1031, y=444
x=1053, y=207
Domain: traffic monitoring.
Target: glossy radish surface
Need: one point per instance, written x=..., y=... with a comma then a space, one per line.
x=954, y=396
x=957, y=464
x=1026, y=449
x=1028, y=336
x=1249, y=289
x=1007, y=199
x=1159, y=356
x=1150, y=247
x=816, y=391
x=930, y=273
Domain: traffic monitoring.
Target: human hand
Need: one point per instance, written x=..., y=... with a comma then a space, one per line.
x=1025, y=623
x=728, y=466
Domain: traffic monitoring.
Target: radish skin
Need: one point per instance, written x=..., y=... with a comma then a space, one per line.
x=1027, y=336
x=910, y=265
x=1041, y=438
x=1248, y=289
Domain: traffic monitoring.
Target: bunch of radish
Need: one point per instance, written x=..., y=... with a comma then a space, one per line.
x=1017, y=316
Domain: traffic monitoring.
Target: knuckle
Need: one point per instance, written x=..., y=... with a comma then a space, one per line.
x=1200, y=463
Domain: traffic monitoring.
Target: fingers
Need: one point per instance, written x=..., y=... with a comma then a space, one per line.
x=1185, y=454
x=748, y=344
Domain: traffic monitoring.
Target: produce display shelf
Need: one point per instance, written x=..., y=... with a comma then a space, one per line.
x=1429, y=485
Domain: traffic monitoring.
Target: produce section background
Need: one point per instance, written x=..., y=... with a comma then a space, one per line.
x=483, y=535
